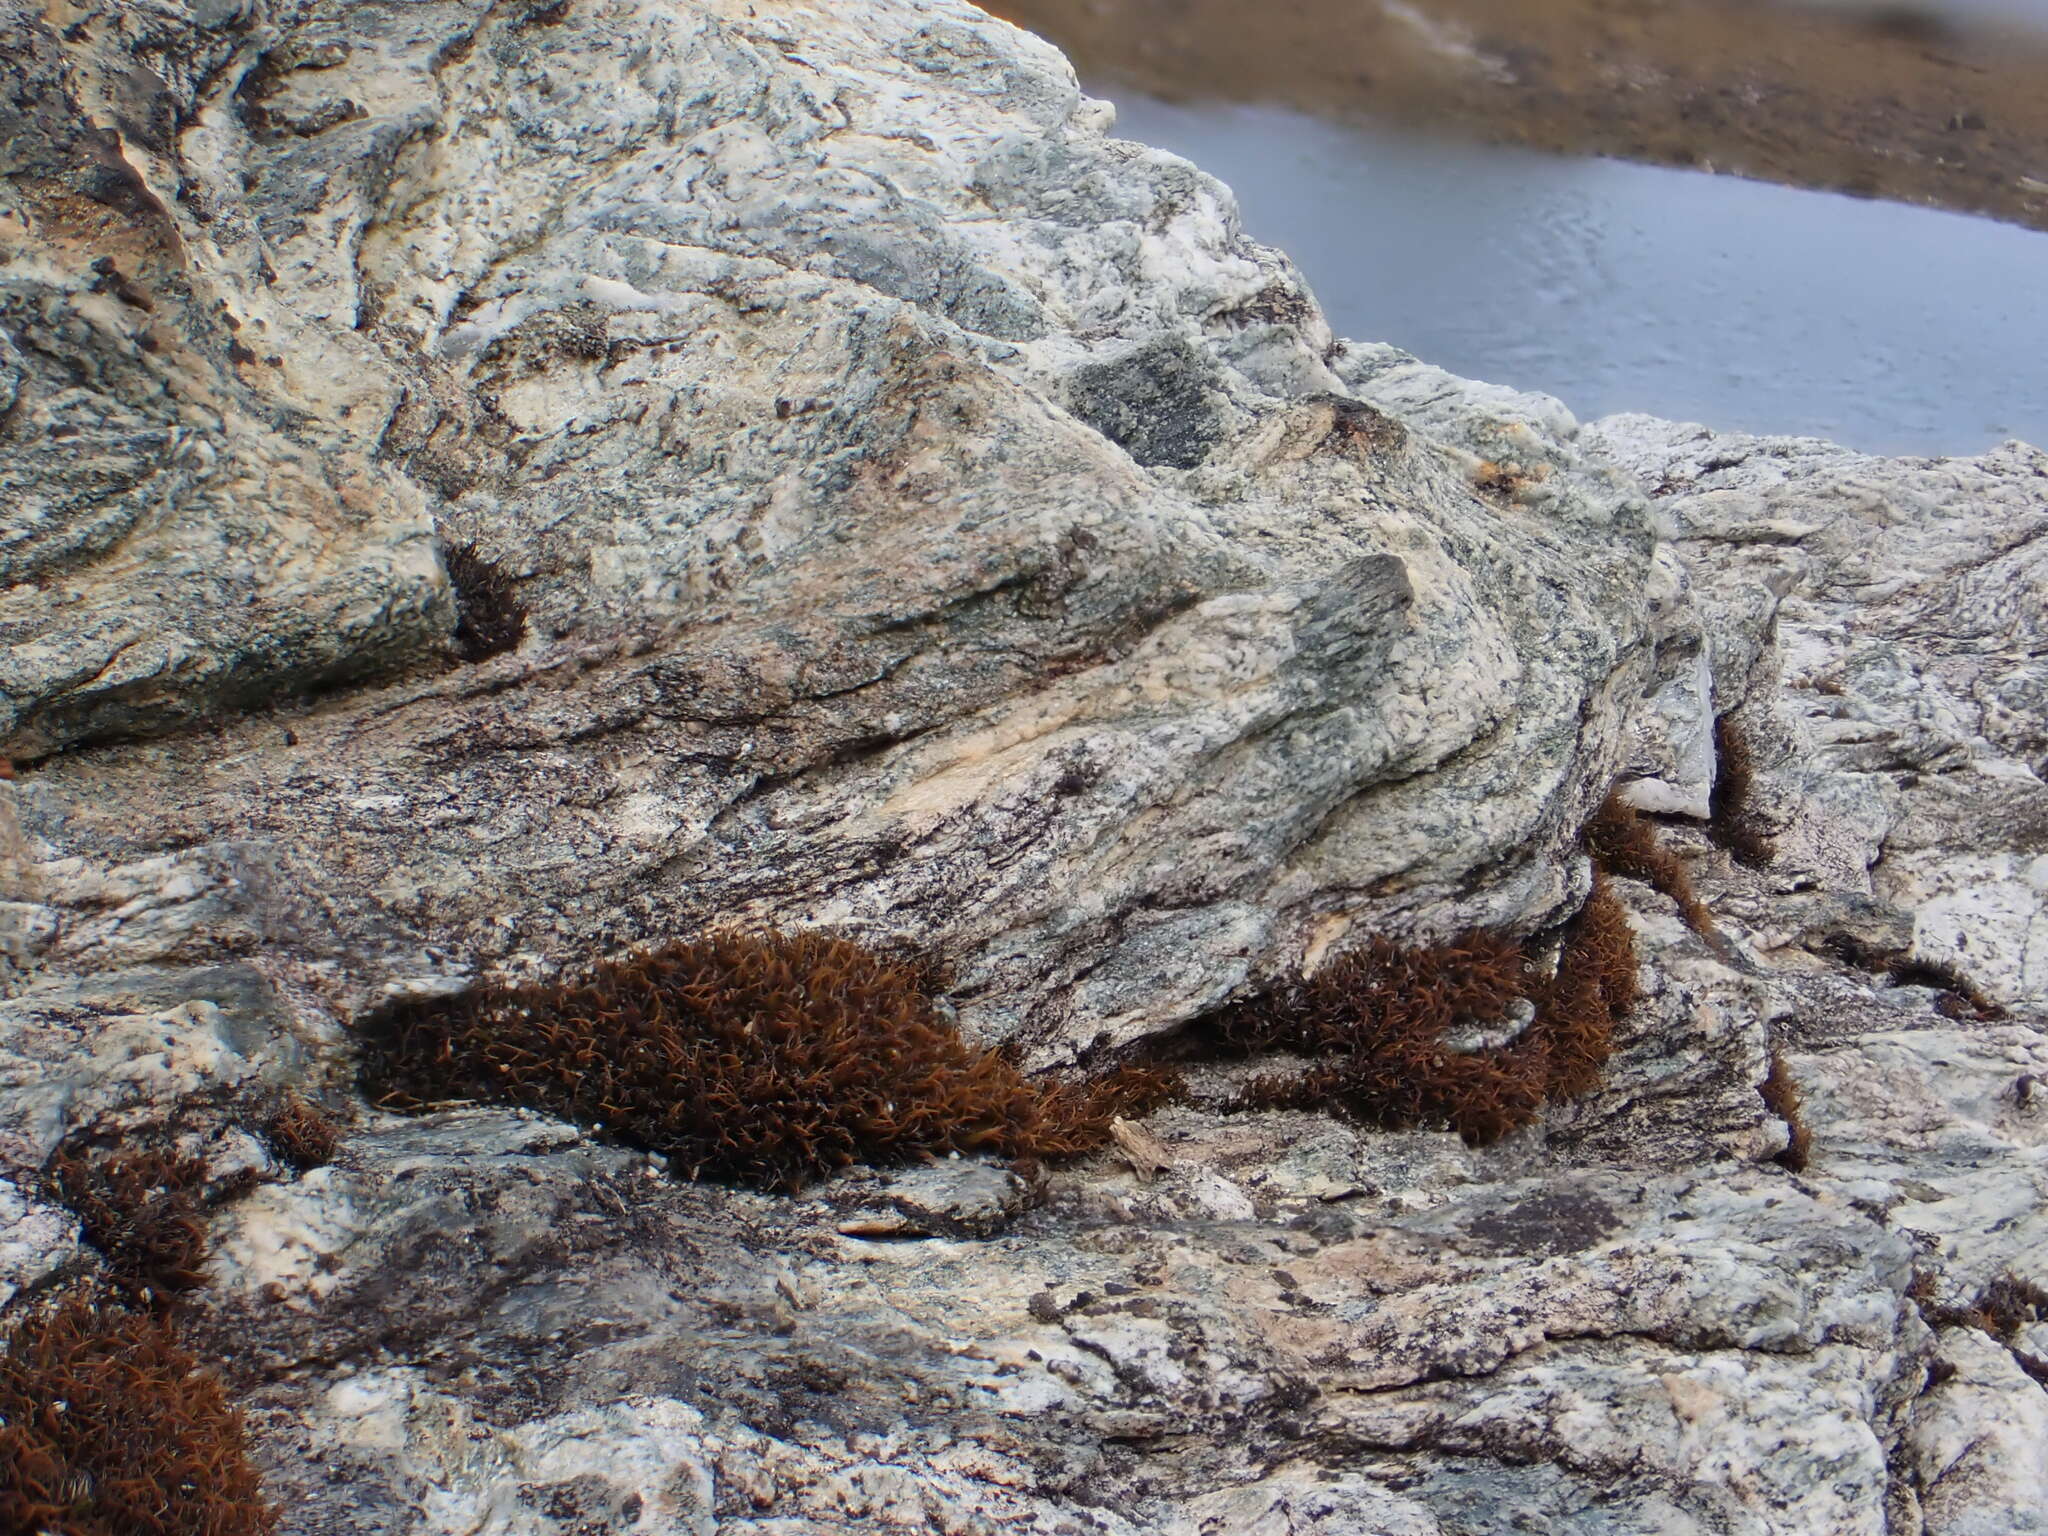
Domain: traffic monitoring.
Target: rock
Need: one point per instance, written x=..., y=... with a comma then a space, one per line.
x=109, y=1055
x=936, y=522
x=851, y=600
x=191, y=526
x=1977, y=1441
x=36, y=1241
x=953, y=1198
x=1901, y=603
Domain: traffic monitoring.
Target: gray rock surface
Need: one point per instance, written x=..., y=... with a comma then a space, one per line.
x=940, y=524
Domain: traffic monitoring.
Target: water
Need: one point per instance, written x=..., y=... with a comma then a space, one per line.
x=2021, y=13
x=1616, y=287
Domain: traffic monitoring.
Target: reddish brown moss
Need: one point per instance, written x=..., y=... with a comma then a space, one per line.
x=1380, y=1016
x=1623, y=842
x=764, y=1060
x=1962, y=997
x=1781, y=1097
x=1593, y=990
x=144, y=1209
x=1732, y=821
x=301, y=1133
x=2007, y=1304
x=1382, y=1012
x=108, y=1428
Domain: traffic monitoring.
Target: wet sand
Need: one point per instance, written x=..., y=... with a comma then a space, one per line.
x=1894, y=106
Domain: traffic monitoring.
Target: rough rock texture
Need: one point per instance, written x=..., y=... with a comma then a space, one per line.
x=936, y=519
x=938, y=523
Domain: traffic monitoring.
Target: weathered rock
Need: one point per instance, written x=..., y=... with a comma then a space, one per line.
x=938, y=523
x=126, y=1051
x=795, y=413
x=1898, y=610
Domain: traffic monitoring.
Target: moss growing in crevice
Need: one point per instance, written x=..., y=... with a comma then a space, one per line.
x=300, y=1133
x=2001, y=1308
x=1733, y=823
x=1377, y=1025
x=489, y=617
x=1961, y=997
x=1781, y=1097
x=770, y=1060
x=144, y=1208
x=1593, y=990
x=765, y=1060
x=1624, y=842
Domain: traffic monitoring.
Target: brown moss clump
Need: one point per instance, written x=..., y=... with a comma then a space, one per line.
x=763, y=1060
x=1381, y=1013
x=1380, y=1017
x=1623, y=842
x=108, y=1428
x=144, y=1209
x=1732, y=821
x=1781, y=1097
x=1593, y=990
x=301, y=1133
x=1961, y=997
x=489, y=617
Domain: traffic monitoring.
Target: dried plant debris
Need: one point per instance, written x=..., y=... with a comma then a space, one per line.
x=1733, y=823
x=2006, y=1305
x=1506, y=481
x=1376, y=1024
x=1781, y=1097
x=489, y=617
x=143, y=1208
x=300, y=1133
x=109, y=1428
x=757, y=1059
x=1624, y=842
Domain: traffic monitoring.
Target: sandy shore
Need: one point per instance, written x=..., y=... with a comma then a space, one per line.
x=1896, y=107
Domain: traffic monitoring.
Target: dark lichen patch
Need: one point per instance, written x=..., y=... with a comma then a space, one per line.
x=489, y=617
x=766, y=1060
x=1377, y=1025
x=1162, y=403
x=1555, y=1223
x=1781, y=1096
x=1733, y=822
x=109, y=1428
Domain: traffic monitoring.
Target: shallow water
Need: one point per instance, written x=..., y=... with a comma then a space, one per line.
x=1626, y=287
x=2023, y=13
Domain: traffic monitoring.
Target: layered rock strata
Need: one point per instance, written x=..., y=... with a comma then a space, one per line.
x=938, y=523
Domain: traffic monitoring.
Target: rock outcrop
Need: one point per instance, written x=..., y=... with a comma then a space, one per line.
x=934, y=521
